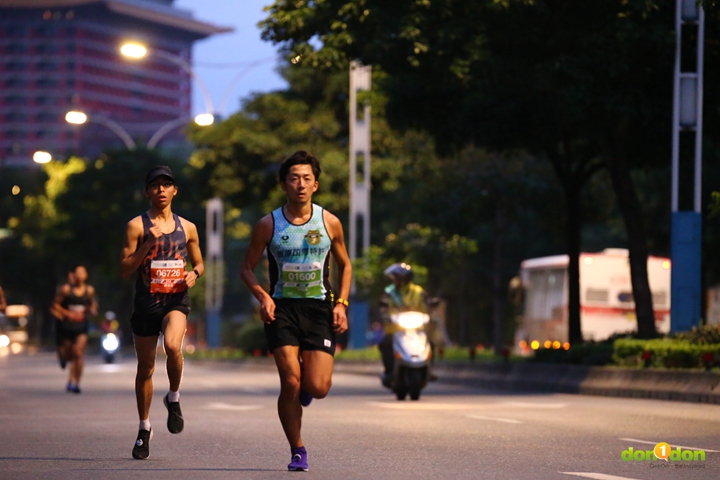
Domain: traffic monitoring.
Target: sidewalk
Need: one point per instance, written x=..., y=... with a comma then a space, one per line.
x=681, y=385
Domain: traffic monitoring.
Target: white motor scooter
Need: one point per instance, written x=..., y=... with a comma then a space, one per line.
x=412, y=352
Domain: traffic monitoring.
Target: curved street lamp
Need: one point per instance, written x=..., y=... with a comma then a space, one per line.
x=79, y=118
x=136, y=51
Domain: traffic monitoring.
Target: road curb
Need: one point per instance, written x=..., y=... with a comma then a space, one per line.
x=679, y=385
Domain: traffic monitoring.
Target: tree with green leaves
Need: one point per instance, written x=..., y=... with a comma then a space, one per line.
x=583, y=84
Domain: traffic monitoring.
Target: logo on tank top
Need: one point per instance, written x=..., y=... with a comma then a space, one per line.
x=313, y=237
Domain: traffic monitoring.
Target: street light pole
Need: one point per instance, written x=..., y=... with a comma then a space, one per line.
x=360, y=78
x=686, y=238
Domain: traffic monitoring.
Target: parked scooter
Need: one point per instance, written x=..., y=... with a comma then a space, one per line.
x=110, y=339
x=412, y=354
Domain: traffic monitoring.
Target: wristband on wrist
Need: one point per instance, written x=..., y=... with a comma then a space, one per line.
x=196, y=273
x=343, y=301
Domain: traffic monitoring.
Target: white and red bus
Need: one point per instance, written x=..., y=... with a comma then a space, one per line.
x=606, y=299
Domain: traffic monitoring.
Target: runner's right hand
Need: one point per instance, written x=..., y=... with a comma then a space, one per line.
x=267, y=309
x=153, y=234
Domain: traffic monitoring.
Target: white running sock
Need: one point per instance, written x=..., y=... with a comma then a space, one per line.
x=173, y=396
x=144, y=424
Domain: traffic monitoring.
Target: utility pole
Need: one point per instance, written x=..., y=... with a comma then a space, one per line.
x=214, y=271
x=360, y=77
x=685, y=310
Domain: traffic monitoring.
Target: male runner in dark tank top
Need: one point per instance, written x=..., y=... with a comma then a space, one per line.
x=156, y=246
x=73, y=302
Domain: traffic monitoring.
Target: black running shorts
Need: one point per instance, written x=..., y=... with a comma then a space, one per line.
x=69, y=331
x=149, y=324
x=302, y=322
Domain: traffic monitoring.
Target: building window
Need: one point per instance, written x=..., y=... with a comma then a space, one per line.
x=16, y=117
x=46, y=48
x=46, y=31
x=15, y=31
x=41, y=134
x=45, y=117
x=42, y=100
x=46, y=83
x=70, y=48
x=13, y=82
x=15, y=100
x=16, y=48
x=46, y=67
x=15, y=66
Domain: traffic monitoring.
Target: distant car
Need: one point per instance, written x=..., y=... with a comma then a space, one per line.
x=13, y=327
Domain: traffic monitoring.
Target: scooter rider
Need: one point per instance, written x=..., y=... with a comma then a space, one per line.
x=400, y=296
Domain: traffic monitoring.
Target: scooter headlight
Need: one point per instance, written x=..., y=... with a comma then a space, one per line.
x=110, y=343
x=412, y=320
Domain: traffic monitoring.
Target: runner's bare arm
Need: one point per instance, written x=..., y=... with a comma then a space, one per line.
x=93, y=300
x=261, y=236
x=192, y=240
x=133, y=253
x=57, y=308
x=3, y=302
x=339, y=253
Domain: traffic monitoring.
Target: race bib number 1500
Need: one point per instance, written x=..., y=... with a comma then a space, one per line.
x=167, y=276
x=302, y=280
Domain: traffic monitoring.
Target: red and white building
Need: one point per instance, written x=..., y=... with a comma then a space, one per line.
x=61, y=55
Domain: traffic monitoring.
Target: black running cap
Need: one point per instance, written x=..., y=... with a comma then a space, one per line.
x=159, y=171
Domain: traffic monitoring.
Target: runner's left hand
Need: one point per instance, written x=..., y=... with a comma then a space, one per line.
x=340, y=321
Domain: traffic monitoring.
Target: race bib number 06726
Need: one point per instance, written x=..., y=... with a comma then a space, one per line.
x=167, y=276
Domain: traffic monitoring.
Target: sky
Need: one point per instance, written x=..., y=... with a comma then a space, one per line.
x=236, y=50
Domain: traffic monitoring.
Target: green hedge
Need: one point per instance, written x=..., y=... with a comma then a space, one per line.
x=665, y=352
x=589, y=353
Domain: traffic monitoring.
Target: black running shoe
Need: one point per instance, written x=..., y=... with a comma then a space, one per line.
x=141, y=450
x=175, y=422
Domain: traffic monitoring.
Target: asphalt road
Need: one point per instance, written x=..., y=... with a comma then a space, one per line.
x=359, y=431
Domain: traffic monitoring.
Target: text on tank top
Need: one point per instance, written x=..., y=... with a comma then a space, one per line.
x=298, y=257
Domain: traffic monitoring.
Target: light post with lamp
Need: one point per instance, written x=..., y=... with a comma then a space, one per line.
x=76, y=117
x=137, y=51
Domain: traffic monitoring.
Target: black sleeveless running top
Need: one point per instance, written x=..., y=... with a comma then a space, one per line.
x=77, y=303
x=170, y=246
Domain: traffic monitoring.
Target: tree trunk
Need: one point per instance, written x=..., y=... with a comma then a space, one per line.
x=573, y=233
x=498, y=285
x=637, y=243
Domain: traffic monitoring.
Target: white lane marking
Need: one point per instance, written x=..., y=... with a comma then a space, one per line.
x=227, y=406
x=672, y=445
x=597, y=476
x=535, y=405
x=420, y=406
x=495, y=419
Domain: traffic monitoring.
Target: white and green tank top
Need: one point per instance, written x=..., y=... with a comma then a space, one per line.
x=298, y=256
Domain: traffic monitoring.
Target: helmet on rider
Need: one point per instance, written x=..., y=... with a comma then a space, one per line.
x=399, y=273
